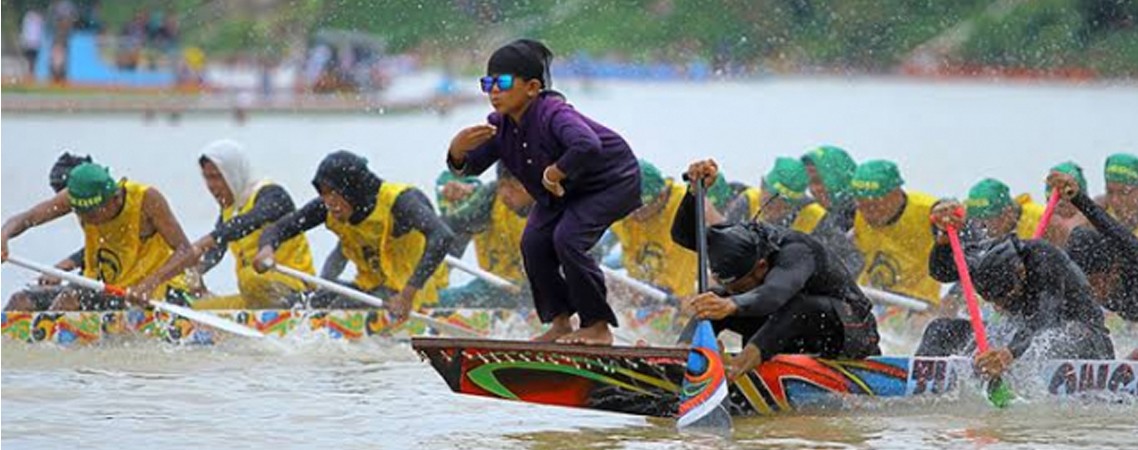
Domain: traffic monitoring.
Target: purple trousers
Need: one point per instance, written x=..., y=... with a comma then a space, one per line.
x=555, y=248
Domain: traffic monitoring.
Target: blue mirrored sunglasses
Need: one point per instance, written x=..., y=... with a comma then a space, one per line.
x=505, y=82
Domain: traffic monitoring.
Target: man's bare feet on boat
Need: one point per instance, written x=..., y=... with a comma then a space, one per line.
x=559, y=328
x=596, y=334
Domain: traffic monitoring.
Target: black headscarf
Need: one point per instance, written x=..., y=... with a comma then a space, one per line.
x=347, y=174
x=62, y=167
x=524, y=58
x=734, y=249
x=1000, y=270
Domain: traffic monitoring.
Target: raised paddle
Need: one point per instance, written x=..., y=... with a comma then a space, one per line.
x=372, y=300
x=704, y=388
x=1045, y=221
x=84, y=282
x=483, y=274
x=999, y=393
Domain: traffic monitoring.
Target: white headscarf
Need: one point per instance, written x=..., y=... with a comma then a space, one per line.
x=229, y=157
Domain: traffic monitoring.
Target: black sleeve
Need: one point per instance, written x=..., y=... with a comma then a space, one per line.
x=306, y=218
x=334, y=264
x=794, y=266
x=1110, y=228
x=272, y=203
x=214, y=255
x=683, y=225
x=942, y=265
x=413, y=211
x=77, y=259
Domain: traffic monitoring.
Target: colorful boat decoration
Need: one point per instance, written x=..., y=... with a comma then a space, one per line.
x=646, y=381
x=84, y=328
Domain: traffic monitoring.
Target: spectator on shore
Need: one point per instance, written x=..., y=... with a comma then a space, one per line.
x=31, y=37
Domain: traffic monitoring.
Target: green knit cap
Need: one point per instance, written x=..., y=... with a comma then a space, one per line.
x=720, y=192
x=651, y=182
x=1072, y=169
x=988, y=199
x=835, y=167
x=90, y=186
x=876, y=178
x=1122, y=168
x=787, y=178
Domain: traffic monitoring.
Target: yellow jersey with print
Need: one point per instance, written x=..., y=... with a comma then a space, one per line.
x=116, y=253
x=381, y=259
x=650, y=255
x=897, y=255
x=293, y=253
x=499, y=246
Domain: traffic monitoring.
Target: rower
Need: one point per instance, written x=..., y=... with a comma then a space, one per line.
x=494, y=215
x=781, y=289
x=388, y=230
x=1045, y=299
x=1067, y=217
x=647, y=250
x=1107, y=251
x=582, y=175
x=830, y=170
x=1121, y=198
x=891, y=229
x=132, y=239
x=995, y=213
x=248, y=205
x=39, y=298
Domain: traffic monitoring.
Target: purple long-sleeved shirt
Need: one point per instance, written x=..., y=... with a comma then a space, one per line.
x=594, y=158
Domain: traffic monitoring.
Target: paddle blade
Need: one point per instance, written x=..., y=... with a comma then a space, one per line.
x=705, y=385
x=208, y=319
x=1000, y=393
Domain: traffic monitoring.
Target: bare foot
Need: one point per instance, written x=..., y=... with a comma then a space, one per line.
x=596, y=334
x=560, y=327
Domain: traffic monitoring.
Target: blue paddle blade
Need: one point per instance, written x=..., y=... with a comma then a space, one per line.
x=704, y=388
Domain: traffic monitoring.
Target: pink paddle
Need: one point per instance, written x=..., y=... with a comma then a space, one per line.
x=1045, y=221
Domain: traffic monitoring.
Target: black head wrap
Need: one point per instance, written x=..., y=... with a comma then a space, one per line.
x=734, y=249
x=58, y=175
x=1000, y=270
x=346, y=173
x=525, y=58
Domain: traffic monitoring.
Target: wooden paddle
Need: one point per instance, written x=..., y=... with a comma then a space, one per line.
x=84, y=282
x=637, y=285
x=1045, y=221
x=999, y=393
x=372, y=300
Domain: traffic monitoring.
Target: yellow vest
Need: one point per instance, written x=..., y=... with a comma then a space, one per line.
x=382, y=259
x=754, y=198
x=115, y=251
x=808, y=218
x=897, y=255
x=1030, y=215
x=293, y=253
x=499, y=245
x=649, y=253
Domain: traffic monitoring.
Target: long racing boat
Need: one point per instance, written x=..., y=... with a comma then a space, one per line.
x=646, y=381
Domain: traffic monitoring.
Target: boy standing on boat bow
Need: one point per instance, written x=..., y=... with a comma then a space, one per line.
x=779, y=288
x=582, y=175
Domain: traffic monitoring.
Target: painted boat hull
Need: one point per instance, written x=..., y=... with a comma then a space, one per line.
x=645, y=381
x=95, y=327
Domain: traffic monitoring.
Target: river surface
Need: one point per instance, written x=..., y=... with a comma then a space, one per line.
x=315, y=393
